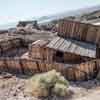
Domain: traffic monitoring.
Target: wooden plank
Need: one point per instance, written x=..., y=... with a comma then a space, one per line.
x=98, y=37
x=91, y=34
x=58, y=44
x=70, y=48
x=76, y=28
x=74, y=46
x=53, y=42
x=65, y=44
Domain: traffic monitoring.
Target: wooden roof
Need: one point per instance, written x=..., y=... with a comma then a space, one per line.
x=39, y=43
x=73, y=46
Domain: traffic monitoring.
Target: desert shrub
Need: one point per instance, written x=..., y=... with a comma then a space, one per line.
x=60, y=89
x=46, y=83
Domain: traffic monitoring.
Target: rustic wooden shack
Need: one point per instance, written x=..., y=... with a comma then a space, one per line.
x=72, y=50
x=37, y=50
x=64, y=55
x=62, y=50
x=79, y=31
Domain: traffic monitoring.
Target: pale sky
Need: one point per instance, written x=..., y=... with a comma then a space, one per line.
x=14, y=10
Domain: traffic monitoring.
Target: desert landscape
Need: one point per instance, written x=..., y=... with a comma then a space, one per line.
x=57, y=59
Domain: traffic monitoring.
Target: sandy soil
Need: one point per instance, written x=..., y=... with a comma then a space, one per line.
x=12, y=88
x=93, y=96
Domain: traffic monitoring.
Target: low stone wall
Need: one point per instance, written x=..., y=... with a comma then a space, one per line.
x=82, y=71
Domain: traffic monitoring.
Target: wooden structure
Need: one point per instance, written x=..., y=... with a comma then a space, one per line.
x=71, y=51
x=41, y=58
x=73, y=46
x=62, y=50
x=37, y=50
x=75, y=53
x=79, y=31
x=76, y=72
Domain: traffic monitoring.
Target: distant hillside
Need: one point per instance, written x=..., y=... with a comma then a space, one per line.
x=81, y=14
x=89, y=15
x=8, y=25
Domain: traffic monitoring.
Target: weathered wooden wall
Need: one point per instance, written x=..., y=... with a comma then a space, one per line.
x=50, y=55
x=79, y=31
x=38, y=53
x=68, y=57
x=82, y=71
x=37, y=50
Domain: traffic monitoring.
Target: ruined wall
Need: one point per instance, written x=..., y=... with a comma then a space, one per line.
x=82, y=71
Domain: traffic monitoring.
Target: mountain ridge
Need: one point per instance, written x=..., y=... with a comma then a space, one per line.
x=76, y=13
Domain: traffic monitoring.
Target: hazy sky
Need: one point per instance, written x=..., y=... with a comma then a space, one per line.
x=14, y=10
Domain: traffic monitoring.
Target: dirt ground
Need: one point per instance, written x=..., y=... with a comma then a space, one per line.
x=12, y=88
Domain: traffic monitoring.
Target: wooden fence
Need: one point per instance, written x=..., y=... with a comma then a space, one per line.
x=82, y=71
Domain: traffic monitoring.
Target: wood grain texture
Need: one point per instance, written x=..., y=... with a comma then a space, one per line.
x=79, y=31
x=81, y=71
x=74, y=47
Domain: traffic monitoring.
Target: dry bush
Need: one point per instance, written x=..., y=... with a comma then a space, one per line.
x=47, y=83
